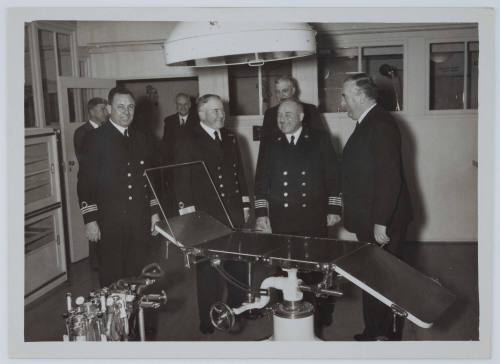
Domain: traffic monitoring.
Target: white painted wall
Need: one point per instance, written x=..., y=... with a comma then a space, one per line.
x=439, y=147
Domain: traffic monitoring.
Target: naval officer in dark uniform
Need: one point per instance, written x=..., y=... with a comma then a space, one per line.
x=297, y=189
x=118, y=208
x=210, y=142
x=98, y=114
x=376, y=200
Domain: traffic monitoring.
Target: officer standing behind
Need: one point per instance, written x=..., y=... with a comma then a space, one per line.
x=213, y=144
x=297, y=189
x=376, y=201
x=174, y=126
x=117, y=206
x=98, y=114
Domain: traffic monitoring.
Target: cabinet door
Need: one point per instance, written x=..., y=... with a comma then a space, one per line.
x=41, y=173
x=45, y=264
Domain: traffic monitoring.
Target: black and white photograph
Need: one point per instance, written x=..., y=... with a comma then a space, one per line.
x=250, y=182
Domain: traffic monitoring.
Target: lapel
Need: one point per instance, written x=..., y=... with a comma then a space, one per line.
x=205, y=140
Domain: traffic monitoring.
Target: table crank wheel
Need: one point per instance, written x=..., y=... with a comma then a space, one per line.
x=222, y=316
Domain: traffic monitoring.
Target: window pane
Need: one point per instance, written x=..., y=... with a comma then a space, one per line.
x=29, y=106
x=244, y=86
x=64, y=54
x=472, y=75
x=48, y=68
x=243, y=90
x=446, y=76
x=333, y=68
x=271, y=71
x=385, y=66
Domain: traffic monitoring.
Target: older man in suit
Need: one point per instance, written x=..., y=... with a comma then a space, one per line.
x=217, y=147
x=375, y=197
x=98, y=114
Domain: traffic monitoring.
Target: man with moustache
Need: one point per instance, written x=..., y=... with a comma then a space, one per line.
x=118, y=208
x=297, y=190
x=217, y=147
x=375, y=197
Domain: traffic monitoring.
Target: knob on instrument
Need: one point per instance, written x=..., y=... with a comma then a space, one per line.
x=222, y=316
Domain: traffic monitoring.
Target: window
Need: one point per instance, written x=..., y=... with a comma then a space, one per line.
x=48, y=54
x=453, y=75
x=248, y=85
x=385, y=64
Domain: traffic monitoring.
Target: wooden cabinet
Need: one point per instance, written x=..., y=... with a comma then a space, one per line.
x=45, y=260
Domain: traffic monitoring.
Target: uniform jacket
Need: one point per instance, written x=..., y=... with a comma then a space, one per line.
x=374, y=190
x=171, y=132
x=225, y=167
x=79, y=140
x=112, y=186
x=297, y=186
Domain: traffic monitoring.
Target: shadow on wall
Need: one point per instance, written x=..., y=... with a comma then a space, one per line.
x=409, y=152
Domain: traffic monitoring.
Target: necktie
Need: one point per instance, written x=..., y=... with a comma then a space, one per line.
x=125, y=133
x=183, y=121
x=292, y=140
x=357, y=125
x=217, y=138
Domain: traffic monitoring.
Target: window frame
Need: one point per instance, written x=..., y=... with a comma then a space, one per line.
x=351, y=42
x=33, y=29
x=465, y=40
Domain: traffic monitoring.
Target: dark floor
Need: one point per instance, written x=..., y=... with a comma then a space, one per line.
x=453, y=264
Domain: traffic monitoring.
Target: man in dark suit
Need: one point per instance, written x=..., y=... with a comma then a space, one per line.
x=376, y=201
x=175, y=124
x=297, y=190
x=210, y=142
x=118, y=208
x=98, y=114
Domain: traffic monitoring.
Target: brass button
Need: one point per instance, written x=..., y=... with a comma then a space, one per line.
x=129, y=174
x=221, y=185
x=130, y=187
x=304, y=194
x=303, y=173
x=303, y=183
x=220, y=176
x=285, y=173
x=222, y=194
x=129, y=197
x=285, y=183
x=237, y=191
x=304, y=205
x=285, y=205
x=285, y=194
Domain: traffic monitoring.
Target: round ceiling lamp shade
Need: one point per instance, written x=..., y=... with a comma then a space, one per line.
x=206, y=44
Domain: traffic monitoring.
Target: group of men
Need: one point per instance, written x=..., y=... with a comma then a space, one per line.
x=300, y=186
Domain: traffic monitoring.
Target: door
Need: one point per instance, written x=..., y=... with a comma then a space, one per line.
x=74, y=93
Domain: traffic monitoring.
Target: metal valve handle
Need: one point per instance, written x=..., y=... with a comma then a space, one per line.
x=222, y=316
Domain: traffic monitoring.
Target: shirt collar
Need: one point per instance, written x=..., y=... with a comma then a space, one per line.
x=210, y=131
x=183, y=118
x=94, y=125
x=296, y=135
x=120, y=128
x=362, y=116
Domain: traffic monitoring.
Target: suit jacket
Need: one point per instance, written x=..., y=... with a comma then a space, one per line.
x=297, y=186
x=171, y=132
x=191, y=184
x=112, y=187
x=374, y=190
x=79, y=139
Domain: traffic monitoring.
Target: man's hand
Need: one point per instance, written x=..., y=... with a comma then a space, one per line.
x=246, y=214
x=263, y=224
x=92, y=231
x=379, y=232
x=154, y=219
x=332, y=219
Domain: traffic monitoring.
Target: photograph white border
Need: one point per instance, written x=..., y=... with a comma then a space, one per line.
x=14, y=139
